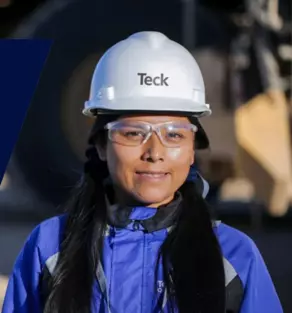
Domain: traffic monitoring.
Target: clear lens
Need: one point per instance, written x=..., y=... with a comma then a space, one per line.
x=129, y=134
x=137, y=133
x=175, y=135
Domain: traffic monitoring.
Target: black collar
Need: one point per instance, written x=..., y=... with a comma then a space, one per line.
x=164, y=216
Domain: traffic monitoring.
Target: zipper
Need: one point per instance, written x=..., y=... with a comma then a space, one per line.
x=144, y=274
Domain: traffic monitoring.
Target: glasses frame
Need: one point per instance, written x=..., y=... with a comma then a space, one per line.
x=152, y=128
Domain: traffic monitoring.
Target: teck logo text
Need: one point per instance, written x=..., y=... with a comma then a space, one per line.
x=153, y=81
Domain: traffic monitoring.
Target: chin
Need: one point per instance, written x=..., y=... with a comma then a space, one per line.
x=153, y=198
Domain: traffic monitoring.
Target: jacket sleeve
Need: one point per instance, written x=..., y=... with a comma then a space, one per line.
x=260, y=295
x=22, y=292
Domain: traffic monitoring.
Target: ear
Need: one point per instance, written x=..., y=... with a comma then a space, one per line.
x=101, y=151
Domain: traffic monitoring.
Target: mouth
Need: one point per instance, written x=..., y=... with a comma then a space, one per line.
x=152, y=175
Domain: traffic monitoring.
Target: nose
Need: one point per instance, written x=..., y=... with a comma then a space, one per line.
x=154, y=150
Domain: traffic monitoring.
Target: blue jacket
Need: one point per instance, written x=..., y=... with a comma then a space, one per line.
x=128, y=266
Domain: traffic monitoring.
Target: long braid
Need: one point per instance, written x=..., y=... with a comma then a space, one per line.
x=192, y=259
x=81, y=248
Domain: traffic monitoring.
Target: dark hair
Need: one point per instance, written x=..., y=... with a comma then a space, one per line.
x=191, y=255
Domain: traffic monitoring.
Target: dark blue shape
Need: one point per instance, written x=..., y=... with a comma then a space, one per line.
x=21, y=63
x=193, y=175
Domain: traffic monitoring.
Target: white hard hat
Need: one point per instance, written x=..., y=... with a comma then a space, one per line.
x=147, y=72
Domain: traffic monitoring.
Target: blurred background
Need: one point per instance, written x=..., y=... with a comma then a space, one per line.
x=244, y=50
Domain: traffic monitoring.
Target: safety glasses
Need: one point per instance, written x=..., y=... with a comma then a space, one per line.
x=135, y=133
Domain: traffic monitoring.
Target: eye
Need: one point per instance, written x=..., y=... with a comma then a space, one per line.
x=175, y=135
x=133, y=133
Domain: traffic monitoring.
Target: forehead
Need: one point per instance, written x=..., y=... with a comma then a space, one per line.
x=153, y=118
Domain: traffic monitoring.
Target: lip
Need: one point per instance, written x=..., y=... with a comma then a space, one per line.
x=152, y=175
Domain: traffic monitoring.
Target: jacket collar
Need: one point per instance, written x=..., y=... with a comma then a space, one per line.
x=146, y=218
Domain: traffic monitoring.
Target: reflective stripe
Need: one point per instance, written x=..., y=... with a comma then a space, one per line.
x=216, y=223
x=107, y=230
x=100, y=276
x=206, y=186
x=52, y=262
x=165, y=296
x=230, y=272
x=168, y=229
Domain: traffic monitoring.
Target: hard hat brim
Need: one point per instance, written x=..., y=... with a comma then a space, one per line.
x=147, y=104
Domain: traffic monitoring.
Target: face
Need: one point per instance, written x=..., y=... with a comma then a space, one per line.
x=149, y=173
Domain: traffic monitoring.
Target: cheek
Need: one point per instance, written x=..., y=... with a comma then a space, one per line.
x=181, y=155
x=120, y=161
x=181, y=160
x=174, y=154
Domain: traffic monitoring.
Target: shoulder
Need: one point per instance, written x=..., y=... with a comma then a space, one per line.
x=239, y=250
x=232, y=238
x=45, y=239
x=49, y=229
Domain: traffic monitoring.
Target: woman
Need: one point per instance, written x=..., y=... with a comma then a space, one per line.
x=138, y=235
